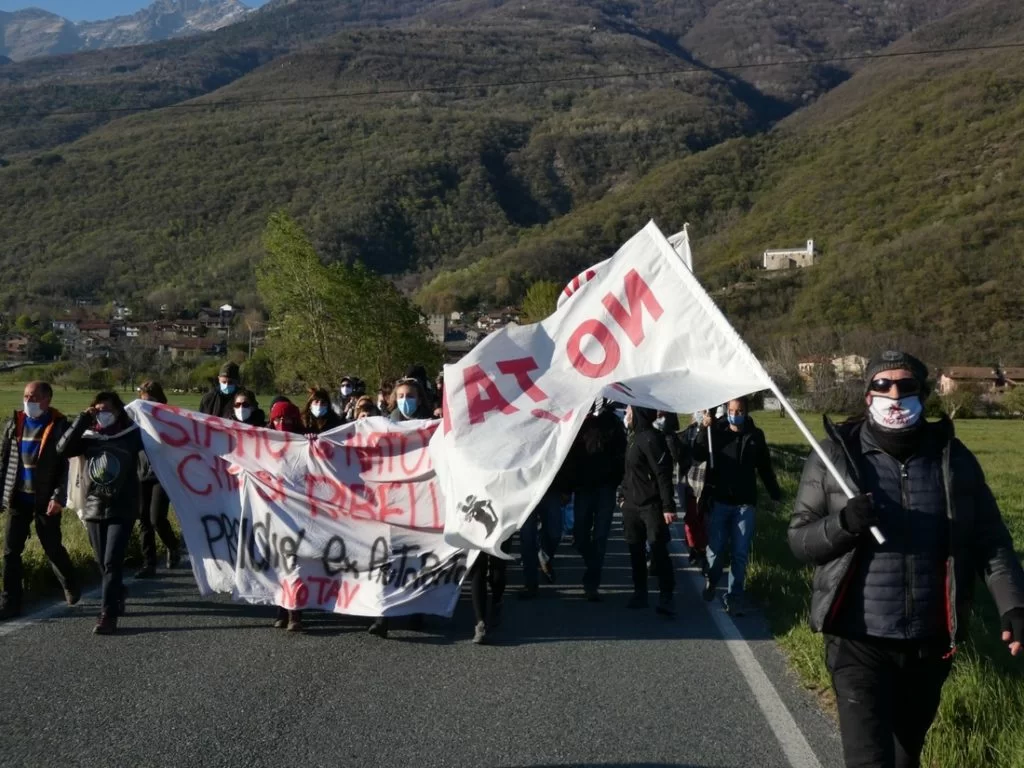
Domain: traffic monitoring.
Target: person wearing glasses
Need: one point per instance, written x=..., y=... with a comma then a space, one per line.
x=737, y=453
x=893, y=611
x=246, y=409
x=154, y=505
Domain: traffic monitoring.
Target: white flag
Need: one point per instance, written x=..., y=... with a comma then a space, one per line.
x=640, y=330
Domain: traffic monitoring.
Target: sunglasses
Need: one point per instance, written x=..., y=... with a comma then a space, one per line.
x=903, y=386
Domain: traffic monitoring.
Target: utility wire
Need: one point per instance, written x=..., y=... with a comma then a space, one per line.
x=514, y=83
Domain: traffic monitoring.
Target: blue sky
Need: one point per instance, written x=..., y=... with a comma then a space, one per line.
x=89, y=10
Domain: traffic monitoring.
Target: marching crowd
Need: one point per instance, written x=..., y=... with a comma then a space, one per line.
x=892, y=608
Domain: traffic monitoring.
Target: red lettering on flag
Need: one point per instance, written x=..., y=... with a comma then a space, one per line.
x=612, y=354
x=639, y=297
x=483, y=395
x=521, y=370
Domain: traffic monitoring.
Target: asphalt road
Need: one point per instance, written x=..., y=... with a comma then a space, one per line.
x=190, y=681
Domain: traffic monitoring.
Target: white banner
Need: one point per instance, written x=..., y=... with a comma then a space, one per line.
x=637, y=328
x=350, y=521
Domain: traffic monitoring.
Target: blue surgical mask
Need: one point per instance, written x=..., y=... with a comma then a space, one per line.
x=345, y=390
x=228, y=389
x=105, y=419
x=737, y=419
x=319, y=410
x=407, y=405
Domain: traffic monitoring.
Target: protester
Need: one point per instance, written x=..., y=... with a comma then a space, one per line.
x=110, y=445
x=384, y=397
x=487, y=570
x=34, y=491
x=220, y=400
x=365, y=408
x=246, y=409
x=409, y=401
x=285, y=417
x=892, y=613
x=737, y=455
x=597, y=459
x=648, y=508
x=692, y=487
x=154, y=506
x=318, y=416
x=419, y=373
x=346, y=398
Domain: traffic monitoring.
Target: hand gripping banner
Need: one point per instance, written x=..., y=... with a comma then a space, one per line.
x=349, y=521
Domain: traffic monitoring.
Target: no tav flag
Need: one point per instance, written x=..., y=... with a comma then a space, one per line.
x=638, y=329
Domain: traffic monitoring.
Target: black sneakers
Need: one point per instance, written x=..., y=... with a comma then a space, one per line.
x=379, y=628
x=709, y=590
x=106, y=625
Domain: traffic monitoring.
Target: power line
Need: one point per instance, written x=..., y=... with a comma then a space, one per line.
x=515, y=83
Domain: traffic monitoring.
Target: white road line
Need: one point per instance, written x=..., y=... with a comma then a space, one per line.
x=54, y=609
x=791, y=739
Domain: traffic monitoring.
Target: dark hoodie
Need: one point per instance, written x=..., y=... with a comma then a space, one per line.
x=598, y=456
x=648, y=480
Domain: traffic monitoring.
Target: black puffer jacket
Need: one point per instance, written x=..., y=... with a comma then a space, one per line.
x=51, y=475
x=113, y=468
x=648, y=480
x=739, y=458
x=598, y=455
x=852, y=568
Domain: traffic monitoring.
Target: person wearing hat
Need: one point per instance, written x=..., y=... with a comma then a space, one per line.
x=286, y=417
x=220, y=400
x=893, y=612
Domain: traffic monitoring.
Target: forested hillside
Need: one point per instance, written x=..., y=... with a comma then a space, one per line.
x=469, y=147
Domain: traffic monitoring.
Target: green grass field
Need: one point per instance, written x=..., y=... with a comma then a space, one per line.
x=981, y=718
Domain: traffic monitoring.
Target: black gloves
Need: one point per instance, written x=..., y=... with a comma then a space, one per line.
x=1013, y=622
x=859, y=514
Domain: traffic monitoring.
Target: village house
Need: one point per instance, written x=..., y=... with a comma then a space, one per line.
x=789, y=258
x=187, y=349
x=849, y=367
x=438, y=327
x=93, y=328
x=18, y=345
x=986, y=380
x=67, y=326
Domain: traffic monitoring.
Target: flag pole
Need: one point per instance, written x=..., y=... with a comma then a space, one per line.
x=816, y=447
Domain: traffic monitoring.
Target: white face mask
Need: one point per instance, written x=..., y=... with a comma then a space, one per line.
x=895, y=413
x=32, y=410
x=319, y=410
x=105, y=419
x=659, y=424
x=346, y=390
x=628, y=418
x=243, y=414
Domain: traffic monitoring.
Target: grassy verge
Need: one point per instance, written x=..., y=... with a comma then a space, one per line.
x=981, y=717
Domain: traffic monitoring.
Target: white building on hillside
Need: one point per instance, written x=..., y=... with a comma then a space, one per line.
x=790, y=258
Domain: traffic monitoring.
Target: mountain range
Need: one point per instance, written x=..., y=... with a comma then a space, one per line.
x=469, y=147
x=33, y=32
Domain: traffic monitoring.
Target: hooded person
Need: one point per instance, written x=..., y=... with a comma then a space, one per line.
x=892, y=613
x=648, y=507
x=597, y=459
x=286, y=417
x=220, y=400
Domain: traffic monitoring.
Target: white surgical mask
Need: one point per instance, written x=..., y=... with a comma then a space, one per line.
x=659, y=424
x=243, y=414
x=319, y=410
x=32, y=410
x=893, y=413
x=346, y=390
x=105, y=419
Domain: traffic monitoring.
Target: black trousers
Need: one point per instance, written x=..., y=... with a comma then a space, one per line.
x=887, y=693
x=486, y=570
x=16, y=533
x=109, y=540
x=648, y=525
x=154, y=507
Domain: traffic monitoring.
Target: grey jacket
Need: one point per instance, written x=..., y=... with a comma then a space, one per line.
x=976, y=540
